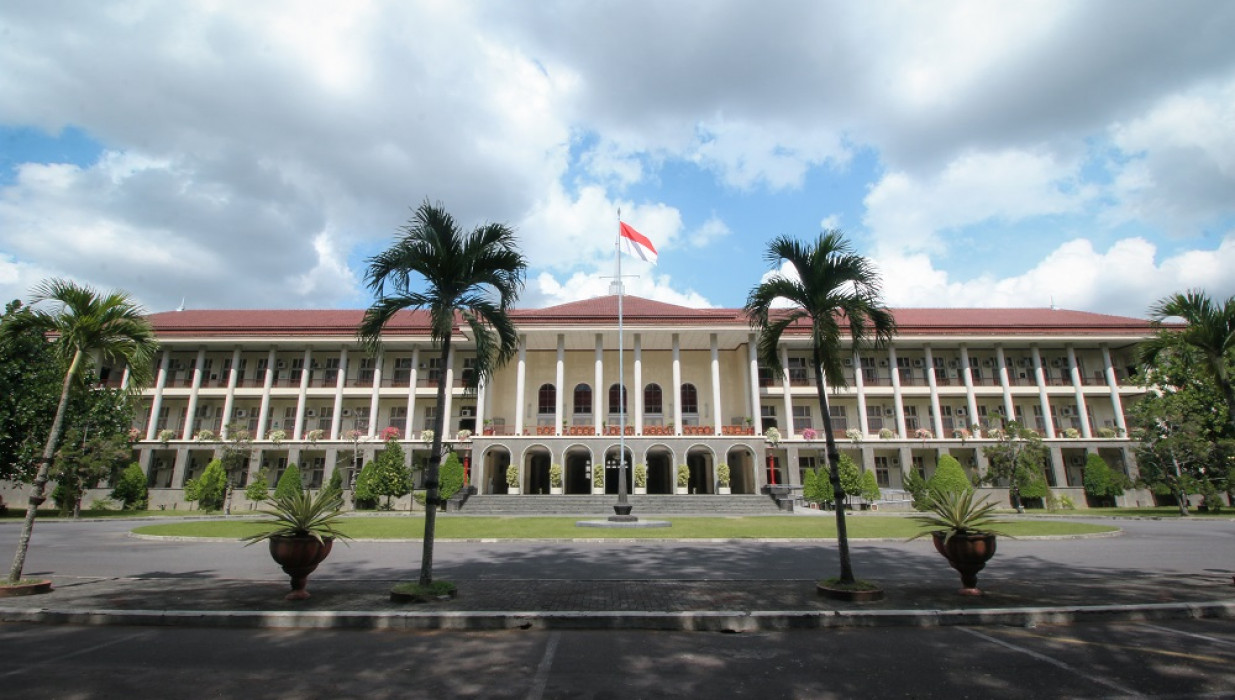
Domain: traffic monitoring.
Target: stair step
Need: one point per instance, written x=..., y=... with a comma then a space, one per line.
x=702, y=504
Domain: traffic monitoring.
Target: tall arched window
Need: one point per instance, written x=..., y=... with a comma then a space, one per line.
x=583, y=399
x=615, y=391
x=547, y=401
x=652, y=401
x=690, y=399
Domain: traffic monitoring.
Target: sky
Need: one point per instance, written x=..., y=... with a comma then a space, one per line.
x=983, y=154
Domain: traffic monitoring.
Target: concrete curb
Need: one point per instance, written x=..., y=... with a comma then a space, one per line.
x=696, y=621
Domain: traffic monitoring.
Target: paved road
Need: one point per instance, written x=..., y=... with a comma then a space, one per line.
x=1189, y=659
x=103, y=548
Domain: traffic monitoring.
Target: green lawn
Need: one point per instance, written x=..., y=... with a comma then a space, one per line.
x=564, y=528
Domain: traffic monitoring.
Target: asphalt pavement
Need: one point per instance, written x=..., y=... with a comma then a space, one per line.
x=1152, y=570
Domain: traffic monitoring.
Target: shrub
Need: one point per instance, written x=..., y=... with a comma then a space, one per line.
x=450, y=477
x=722, y=474
x=949, y=476
x=870, y=487
x=916, y=486
x=335, y=485
x=391, y=477
x=641, y=475
x=289, y=483
x=258, y=490
x=850, y=476
x=886, y=434
x=555, y=476
x=210, y=488
x=131, y=488
x=512, y=476
x=365, y=496
x=683, y=478
x=815, y=486
x=598, y=475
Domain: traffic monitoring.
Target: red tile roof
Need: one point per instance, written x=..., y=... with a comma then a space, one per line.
x=600, y=310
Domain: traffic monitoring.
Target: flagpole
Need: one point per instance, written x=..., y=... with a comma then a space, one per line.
x=623, y=508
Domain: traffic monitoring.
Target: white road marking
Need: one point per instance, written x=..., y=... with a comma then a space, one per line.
x=542, y=670
x=1054, y=662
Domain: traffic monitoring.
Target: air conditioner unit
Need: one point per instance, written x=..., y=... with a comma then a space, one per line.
x=241, y=413
x=281, y=364
x=1026, y=362
x=467, y=411
x=1067, y=411
x=953, y=364
x=896, y=461
x=919, y=363
x=961, y=411
x=848, y=361
x=159, y=464
x=1077, y=461
x=1056, y=363
x=988, y=363
x=205, y=411
x=889, y=412
x=347, y=412
x=311, y=413
x=883, y=363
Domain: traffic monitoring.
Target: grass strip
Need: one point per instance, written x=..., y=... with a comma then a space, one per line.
x=412, y=527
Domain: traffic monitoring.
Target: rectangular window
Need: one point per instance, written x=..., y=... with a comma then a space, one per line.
x=801, y=418
x=882, y=472
x=874, y=418
x=839, y=420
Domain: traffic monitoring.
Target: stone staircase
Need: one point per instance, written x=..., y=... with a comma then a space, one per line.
x=596, y=506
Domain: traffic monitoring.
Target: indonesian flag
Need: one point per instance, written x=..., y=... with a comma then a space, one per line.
x=636, y=243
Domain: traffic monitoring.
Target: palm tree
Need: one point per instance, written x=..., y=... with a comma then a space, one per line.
x=1210, y=331
x=835, y=289
x=83, y=325
x=475, y=276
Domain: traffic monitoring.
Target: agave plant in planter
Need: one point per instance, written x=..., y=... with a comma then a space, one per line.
x=961, y=530
x=301, y=531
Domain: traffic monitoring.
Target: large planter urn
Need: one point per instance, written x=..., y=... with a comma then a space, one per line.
x=555, y=490
x=598, y=490
x=723, y=490
x=967, y=554
x=512, y=490
x=641, y=490
x=680, y=490
x=299, y=557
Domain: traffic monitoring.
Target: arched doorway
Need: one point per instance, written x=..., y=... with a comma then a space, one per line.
x=492, y=478
x=577, y=470
x=741, y=461
x=659, y=461
x=536, y=461
x=701, y=462
x=611, y=470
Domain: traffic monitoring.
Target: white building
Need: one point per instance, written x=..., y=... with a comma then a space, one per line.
x=305, y=392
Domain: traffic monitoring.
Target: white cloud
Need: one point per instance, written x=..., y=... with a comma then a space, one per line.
x=546, y=290
x=710, y=231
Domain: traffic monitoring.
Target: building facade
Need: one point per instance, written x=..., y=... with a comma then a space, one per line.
x=295, y=387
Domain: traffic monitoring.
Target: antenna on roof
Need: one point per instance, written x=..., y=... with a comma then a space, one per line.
x=1052, y=302
x=181, y=307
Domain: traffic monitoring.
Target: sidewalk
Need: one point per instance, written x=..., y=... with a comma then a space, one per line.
x=605, y=604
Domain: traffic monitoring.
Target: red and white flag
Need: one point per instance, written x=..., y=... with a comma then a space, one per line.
x=636, y=243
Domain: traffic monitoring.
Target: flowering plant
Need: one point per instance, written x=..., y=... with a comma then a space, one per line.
x=887, y=434
x=204, y=435
x=166, y=436
x=314, y=435
x=464, y=434
x=923, y=434
x=277, y=436
x=809, y=434
x=854, y=434
x=773, y=436
x=134, y=435
x=426, y=435
x=355, y=435
x=391, y=433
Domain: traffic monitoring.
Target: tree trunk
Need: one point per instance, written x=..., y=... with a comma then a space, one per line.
x=838, y=493
x=38, y=488
x=431, y=472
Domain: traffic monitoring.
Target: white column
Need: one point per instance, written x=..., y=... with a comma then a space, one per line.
x=1113, y=384
x=717, y=411
x=449, y=377
x=936, y=417
x=374, y=397
x=263, y=417
x=125, y=377
x=520, y=389
x=230, y=399
x=191, y=415
x=160, y=381
x=599, y=394
x=413, y=380
x=1082, y=411
x=336, y=417
x=897, y=397
x=559, y=388
x=482, y=387
x=1043, y=400
x=1009, y=408
x=752, y=361
x=638, y=388
x=298, y=431
x=677, y=387
x=970, y=399
x=787, y=388
x=859, y=385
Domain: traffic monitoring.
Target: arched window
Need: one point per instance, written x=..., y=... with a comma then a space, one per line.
x=690, y=399
x=547, y=401
x=615, y=391
x=583, y=399
x=652, y=401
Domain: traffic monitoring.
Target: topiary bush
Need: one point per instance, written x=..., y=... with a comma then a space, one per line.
x=870, y=487
x=210, y=488
x=289, y=483
x=364, y=495
x=916, y=486
x=949, y=477
x=131, y=488
x=450, y=477
x=258, y=490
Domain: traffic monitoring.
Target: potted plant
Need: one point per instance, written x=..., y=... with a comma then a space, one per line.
x=722, y=478
x=598, y=478
x=301, y=531
x=683, y=479
x=960, y=528
x=512, y=479
x=166, y=436
x=277, y=436
x=641, y=479
x=555, y=479
x=314, y=435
